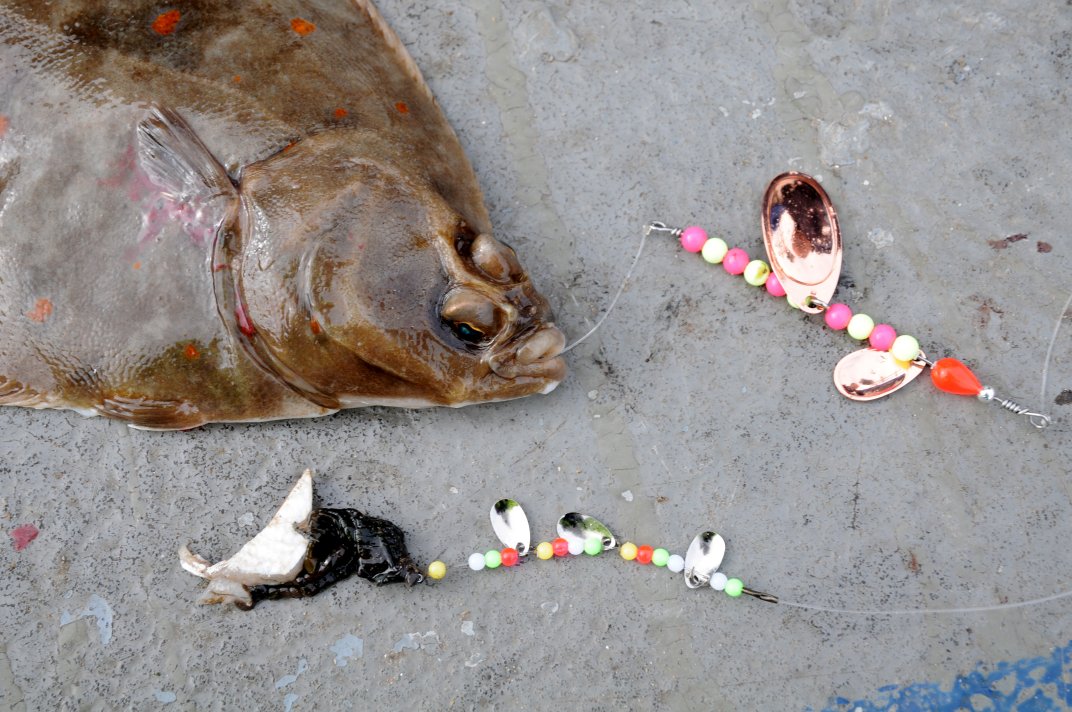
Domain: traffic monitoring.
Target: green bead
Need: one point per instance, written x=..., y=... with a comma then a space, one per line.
x=734, y=587
x=790, y=302
x=714, y=250
x=492, y=559
x=593, y=547
x=756, y=273
x=659, y=557
x=905, y=348
x=860, y=326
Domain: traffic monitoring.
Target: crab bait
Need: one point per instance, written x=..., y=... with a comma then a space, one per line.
x=303, y=551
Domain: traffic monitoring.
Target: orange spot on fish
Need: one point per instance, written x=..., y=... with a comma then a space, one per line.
x=237, y=79
x=191, y=352
x=41, y=311
x=402, y=108
x=315, y=326
x=136, y=265
x=341, y=113
x=302, y=27
x=3, y=125
x=165, y=22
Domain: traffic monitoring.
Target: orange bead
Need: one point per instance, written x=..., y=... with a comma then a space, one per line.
x=952, y=376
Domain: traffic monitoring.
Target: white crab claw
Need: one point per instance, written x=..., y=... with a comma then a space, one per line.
x=276, y=555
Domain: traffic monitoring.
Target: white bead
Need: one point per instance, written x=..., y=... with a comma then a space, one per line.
x=576, y=547
x=675, y=563
x=718, y=580
x=476, y=561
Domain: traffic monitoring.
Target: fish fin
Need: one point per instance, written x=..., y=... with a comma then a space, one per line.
x=394, y=44
x=149, y=414
x=174, y=158
x=193, y=563
x=15, y=393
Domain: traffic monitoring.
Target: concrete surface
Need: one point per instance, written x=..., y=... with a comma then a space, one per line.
x=940, y=129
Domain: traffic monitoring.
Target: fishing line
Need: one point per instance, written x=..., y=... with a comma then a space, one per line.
x=929, y=611
x=964, y=609
x=1049, y=350
x=621, y=288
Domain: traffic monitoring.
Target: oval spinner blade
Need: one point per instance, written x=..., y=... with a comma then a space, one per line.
x=511, y=525
x=703, y=558
x=579, y=528
x=803, y=239
x=868, y=374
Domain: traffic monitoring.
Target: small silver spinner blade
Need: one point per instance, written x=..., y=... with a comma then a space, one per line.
x=511, y=525
x=703, y=558
x=579, y=528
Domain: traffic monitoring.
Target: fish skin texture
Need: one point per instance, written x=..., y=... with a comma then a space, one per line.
x=225, y=214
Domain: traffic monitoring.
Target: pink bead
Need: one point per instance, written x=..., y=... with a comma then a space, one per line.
x=837, y=316
x=774, y=287
x=735, y=261
x=882, y=337
x=693, y=238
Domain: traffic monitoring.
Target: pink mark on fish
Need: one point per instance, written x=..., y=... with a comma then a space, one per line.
x=244, y=324
x=159, y=208
x=22, y=536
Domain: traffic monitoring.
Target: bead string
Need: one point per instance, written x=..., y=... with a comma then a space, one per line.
x=704, y=571
x=559, y=548
x=947, y=374
x=758, y=273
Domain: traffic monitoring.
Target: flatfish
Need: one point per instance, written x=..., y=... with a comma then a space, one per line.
x=241, y=211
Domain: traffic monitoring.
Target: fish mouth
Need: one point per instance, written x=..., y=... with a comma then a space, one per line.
x=537, y=355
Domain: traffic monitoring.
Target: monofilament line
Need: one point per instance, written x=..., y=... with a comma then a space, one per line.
x=613, y=302
x=1049, y=351
x=964, y=609
x=930, y=611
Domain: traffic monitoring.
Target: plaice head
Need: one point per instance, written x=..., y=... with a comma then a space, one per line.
x=363, y=286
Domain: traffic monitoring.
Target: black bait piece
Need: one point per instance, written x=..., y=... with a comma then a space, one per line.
x=345, y=542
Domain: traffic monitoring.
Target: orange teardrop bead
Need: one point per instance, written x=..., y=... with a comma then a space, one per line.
x=952, y=376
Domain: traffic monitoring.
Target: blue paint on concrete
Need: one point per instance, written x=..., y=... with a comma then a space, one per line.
x=1026, y=685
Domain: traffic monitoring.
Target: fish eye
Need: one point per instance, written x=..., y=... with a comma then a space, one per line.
x=495, y=259
x=470, y=316
x=467, y=332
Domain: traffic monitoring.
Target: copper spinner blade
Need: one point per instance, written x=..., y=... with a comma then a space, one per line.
x=803, y=239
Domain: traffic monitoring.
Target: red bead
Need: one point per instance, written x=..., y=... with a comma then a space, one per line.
x=643, y=554
x=509, y=556
x=560, y=546
x=952, y=376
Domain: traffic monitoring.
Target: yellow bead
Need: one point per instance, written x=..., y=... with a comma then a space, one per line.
x=714, y=250
x=860, y=326
x=544, y=550
x=756, y=273
x=628, y=551
x=905, y=348
x=437, y=570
